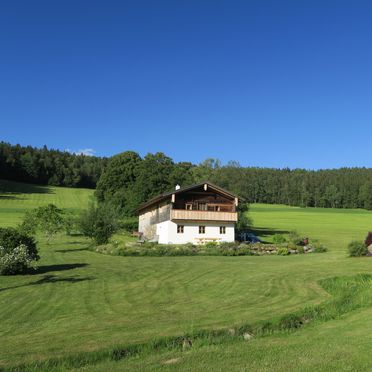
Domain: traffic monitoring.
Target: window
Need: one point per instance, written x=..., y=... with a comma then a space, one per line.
x=202, y=207
x=188, y=206
x=201, y=229
x=222, y=229
x=180, y=229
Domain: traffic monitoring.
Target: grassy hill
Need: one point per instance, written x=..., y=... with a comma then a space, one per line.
x=83, y=302
x=16, y=198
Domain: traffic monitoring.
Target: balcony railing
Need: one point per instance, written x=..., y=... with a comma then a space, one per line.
x=182, y=214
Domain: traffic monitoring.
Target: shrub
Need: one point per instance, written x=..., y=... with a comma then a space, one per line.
x=300, y=250
x=48, y=219
x=15, y=261
x=70, y=223
x=129, y=224
x=99, y=223
x=18, y=251
x=318, y=248
x=295, y=238
x=279, y=239
x=357, y=249
x=11, y=238
x=282, y=251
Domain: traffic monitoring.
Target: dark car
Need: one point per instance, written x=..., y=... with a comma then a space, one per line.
x=248, y=237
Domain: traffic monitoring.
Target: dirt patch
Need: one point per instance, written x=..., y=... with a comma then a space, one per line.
x=171, y=361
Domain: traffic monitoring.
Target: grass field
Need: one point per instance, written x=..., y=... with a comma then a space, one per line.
x=80, y=301
x=16, y=198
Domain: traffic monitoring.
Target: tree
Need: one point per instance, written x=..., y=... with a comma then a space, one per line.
x=117, y=183
x=244, y=222
x=47, y=219
x=99, y=222
x=154, y=176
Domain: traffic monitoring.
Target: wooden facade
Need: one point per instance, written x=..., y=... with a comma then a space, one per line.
x=190, y=207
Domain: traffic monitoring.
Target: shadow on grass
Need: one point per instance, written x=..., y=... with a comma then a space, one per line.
x=7, y=197
x=56, y=279
x=14, y=188
x=51, y=279
x=266, y=231
x=71, y=250
x=63, y=267
x=263, y=232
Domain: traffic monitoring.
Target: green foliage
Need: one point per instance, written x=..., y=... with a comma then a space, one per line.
x=16, y=261
x=47, y=219
x=99, y=222
x=129, y=224
x=318, y=247
x=295, y=239
x=279, y=239
x=129, y=180
x=300, y=249
x=244, y=222
x=337, y=188
x=70, y=222
x=357, y=249
x=11, y=238
x=18, y=252
x=49, y=167
x=282, y=251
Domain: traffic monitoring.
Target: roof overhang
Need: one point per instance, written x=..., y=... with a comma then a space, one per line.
x=206, y=185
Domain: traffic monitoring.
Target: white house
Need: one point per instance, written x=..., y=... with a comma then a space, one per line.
x=196, y=214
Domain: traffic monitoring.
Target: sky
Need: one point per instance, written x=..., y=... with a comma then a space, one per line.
x=265, y=83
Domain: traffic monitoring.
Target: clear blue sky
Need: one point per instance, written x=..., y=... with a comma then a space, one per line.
x=266, y=83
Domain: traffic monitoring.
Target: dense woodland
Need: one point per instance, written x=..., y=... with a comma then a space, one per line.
x=49, y=167
x=127, y=179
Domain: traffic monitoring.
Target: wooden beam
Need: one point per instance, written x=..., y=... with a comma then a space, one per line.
x=173, y=198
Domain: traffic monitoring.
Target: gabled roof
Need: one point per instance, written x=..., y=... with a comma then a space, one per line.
x=166, y=195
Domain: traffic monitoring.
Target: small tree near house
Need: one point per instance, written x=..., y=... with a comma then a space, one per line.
x=47, y=219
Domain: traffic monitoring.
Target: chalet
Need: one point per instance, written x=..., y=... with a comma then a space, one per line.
x=196, y=214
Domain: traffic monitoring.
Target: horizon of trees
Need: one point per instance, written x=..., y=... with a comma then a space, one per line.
x=49, y=167
x=127, y=179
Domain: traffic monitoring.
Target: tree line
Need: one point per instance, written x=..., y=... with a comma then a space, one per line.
x=127, y=179
x=49, y=167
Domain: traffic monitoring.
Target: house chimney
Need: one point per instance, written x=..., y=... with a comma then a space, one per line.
x=177, y=187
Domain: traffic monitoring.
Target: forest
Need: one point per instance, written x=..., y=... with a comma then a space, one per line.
x=127, y=179
x=49, y=167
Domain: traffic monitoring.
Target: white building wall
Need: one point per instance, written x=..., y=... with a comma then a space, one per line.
x=167, y=232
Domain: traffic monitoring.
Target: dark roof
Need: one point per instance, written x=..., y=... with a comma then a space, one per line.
x=166, y=195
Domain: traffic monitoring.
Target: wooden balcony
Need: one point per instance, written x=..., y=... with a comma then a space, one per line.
x=182, y=214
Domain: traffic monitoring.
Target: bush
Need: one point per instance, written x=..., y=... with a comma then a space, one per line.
x=16, y=261
x=300, y=250
x=18, y=252
x=99, y=223
x=129, y=224
x=295, y=238
x=11, y=238
x=318, y=248
x=70, y=222
x=282, y=251
x=279, y=239
x=357, y=249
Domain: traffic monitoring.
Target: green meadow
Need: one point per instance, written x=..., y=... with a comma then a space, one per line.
x=79, y=303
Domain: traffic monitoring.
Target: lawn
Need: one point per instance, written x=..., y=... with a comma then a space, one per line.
x=82, y=301
x=16, y=198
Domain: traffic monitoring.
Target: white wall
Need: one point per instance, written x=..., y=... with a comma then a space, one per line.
x=167, y=232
